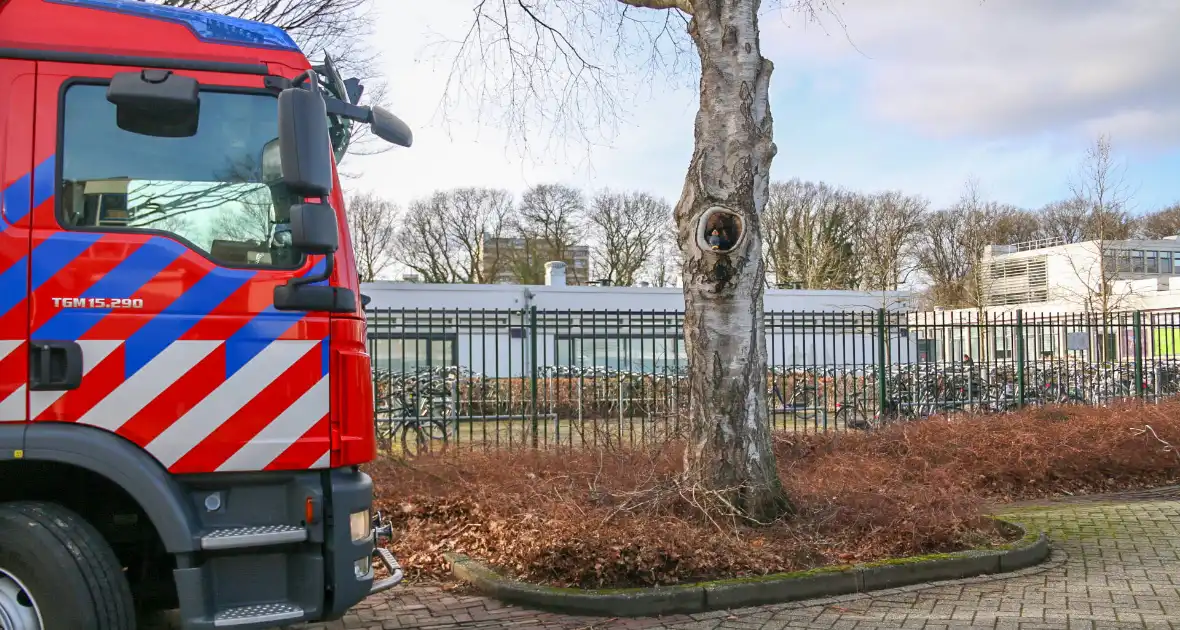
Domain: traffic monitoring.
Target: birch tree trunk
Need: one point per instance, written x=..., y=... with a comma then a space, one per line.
x=729, y=449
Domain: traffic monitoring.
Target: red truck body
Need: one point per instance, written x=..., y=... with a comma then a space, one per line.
x=215, y=437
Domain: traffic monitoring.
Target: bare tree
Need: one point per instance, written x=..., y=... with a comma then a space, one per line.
x=625, y=231
x=952, y=249
x=445, y=237
x=480, y=218
x=1064, y=221
x=1101, y=191
x=423, y=241
x=550, y=221
x=1161, y=223
x=551, y=63
x=372, y=225
x=941, y=256
x=809, y=230
x=664, y=269
x=887, y=237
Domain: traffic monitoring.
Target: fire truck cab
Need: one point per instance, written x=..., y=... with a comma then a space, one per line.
x=185, y=390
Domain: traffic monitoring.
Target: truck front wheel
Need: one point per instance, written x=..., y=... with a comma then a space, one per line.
x=56, y=571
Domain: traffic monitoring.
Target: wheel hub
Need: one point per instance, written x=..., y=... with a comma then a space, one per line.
x=18, y=610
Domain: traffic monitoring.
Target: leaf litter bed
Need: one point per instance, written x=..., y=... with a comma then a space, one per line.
x=615, y=519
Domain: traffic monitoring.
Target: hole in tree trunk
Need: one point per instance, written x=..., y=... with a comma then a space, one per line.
x=720, y=230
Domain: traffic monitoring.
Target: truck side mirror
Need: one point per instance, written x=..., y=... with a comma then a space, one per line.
x=390, y=128
x=314, y=228
x=156, y=103
x=304, y=146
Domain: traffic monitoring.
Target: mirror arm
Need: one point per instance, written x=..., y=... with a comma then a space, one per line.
x=329, y=265
x=358, y=113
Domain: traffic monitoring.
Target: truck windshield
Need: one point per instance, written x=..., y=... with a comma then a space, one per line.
x=206, y=190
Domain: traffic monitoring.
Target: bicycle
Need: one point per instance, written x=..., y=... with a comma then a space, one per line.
x=417, y=411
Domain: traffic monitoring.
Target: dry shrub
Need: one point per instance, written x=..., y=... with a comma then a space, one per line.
x=1040, y=452
x=619, y=518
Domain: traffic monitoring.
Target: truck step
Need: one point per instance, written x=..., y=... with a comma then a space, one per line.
x=254, y=536
x=258, y=614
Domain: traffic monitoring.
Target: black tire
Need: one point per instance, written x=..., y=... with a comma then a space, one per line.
x=424, y=436
x=66, y=565
x=852, y=418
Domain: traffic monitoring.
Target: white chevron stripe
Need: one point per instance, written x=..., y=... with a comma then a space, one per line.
x=93, y=352
x=12, y=408
x=282, y=432
x=149, y=382
x=8, y=345
x=209, y=414
x=324, y=461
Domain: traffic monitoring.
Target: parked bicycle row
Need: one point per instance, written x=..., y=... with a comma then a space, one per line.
x=423, y=408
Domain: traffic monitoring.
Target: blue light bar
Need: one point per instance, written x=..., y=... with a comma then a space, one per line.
x=208, y=27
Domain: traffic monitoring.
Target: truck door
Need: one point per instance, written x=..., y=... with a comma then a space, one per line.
x=155, y=267
x=17, y=196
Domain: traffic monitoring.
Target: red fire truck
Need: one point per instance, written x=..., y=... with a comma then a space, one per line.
x=185, y=390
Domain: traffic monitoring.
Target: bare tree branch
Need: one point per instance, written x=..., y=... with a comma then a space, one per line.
x=625, y=229
x=372, y=225
x=683, y=5
x=447, y=236
x=341, y=28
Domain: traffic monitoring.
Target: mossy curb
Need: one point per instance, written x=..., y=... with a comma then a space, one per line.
x=1031, y=549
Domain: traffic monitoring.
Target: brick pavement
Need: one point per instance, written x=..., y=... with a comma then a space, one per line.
x=1115, y=564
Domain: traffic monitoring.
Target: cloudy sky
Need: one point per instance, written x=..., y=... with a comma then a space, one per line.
x=917, y=95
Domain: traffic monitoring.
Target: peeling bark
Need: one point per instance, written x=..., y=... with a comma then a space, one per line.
x=729, y=449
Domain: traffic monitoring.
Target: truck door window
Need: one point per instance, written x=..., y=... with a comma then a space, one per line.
x=206, y=190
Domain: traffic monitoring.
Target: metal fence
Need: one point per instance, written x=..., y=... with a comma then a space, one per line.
x=449, y=378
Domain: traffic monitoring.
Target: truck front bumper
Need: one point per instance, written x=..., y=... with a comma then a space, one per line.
x=381, y=532
x=353, y=545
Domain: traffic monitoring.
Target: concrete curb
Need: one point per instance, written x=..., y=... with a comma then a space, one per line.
x=1032, y=549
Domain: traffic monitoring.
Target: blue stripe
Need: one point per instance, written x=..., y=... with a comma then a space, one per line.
x=324, y=361
x=180, y=316
x=14, y=285
x=316, y=269
x=127, y=278
x=263, y=330
x=44, y=181
x=71, y=323
x=56, y=252
x=38, y=188
x=254, y=337
x=16, y=199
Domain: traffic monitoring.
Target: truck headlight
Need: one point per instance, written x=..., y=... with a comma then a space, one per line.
x=361, y=525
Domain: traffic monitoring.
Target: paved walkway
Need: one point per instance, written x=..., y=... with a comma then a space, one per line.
x=1115, y=564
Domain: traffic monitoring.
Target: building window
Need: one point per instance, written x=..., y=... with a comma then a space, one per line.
x=1003, y=343
x=1042, y=342
x=398, y=355
x=1137, y=261
x=1166, y=263
x=206, y=190
x=1124, y=259
x=1152, y=262
x=648, y=355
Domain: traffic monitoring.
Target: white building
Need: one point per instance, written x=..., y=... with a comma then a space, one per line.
x=489, y=328
x=1071, y=303
x=1049, y=276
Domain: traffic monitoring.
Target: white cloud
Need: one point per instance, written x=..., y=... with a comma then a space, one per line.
x=649, y=151
x=993, y=68
x=1010, y=90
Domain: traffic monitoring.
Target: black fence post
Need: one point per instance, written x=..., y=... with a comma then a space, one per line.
x=881, y=360
x=533, y=368
x=1137, y=324
x=1020, y=359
